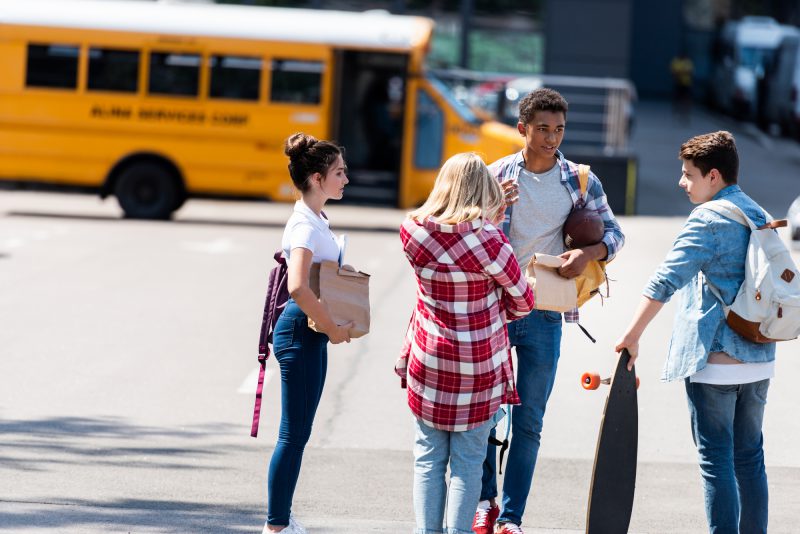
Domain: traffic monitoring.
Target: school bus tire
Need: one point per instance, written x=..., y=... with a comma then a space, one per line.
x=147, y=190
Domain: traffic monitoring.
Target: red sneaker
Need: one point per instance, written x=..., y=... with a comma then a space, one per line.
x=508, y=528
x=485, y=516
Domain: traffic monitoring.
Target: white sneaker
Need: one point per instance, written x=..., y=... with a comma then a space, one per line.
x=292, y=528
x=293, y=522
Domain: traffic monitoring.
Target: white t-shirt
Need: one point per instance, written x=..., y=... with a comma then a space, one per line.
x=730, y=374
x=306, y=229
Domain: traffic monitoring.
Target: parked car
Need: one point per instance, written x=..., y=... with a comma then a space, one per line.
x=781, y=105
x=746, y=49
x=794, y=223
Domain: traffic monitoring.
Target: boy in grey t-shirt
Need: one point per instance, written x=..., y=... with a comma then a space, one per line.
x=544, y=188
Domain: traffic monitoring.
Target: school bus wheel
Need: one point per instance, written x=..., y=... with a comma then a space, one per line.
x=147, y=190
x=590, y=381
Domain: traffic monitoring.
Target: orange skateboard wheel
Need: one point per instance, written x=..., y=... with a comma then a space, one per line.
x=637, y=382
x=590, y=381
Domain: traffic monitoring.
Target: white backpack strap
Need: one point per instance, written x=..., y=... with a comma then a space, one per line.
x=730, y=210
x=716, y=293
x=733, y=212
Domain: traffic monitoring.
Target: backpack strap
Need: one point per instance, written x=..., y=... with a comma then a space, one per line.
x=502, y=444
x=730, y=210
x=733, y=212
x=272, y=309
x=583, y=179
x=259, y=390
x=716, y=293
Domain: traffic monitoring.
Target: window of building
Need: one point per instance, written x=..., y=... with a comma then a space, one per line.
x=174, y=74
x=113, y=70
x=52, y=65
x=296, y=81
x=237, y=78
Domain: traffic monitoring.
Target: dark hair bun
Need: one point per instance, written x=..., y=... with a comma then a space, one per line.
x=298, y=144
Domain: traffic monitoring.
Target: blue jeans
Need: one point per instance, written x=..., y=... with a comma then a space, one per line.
x=537, y=339
x=433, y=449
x=726, y=427
x=303, y=358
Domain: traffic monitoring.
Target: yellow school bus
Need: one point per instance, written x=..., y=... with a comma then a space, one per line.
x=158, y=102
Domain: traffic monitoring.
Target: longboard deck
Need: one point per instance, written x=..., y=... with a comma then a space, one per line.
x=614, y=474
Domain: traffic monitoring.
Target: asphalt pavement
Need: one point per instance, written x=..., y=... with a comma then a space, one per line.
x=127, y=369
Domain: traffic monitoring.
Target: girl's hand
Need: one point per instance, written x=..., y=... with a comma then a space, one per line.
x=340, y=333
x=498, y=218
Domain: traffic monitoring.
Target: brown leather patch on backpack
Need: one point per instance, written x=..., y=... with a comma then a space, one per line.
x=787, y=275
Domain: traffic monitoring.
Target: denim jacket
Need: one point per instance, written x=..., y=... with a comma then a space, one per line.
x=714, y=247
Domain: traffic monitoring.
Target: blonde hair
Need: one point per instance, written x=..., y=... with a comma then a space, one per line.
x=464, y=190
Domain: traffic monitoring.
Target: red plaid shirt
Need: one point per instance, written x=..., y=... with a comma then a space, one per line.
x=456, y=357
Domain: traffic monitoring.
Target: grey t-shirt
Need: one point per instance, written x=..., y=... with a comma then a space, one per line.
x=538, y=216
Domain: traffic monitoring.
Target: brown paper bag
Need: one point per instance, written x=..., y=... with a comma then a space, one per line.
x=553, y=292
x=344, y=293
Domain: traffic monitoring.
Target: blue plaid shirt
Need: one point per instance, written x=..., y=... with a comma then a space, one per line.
x=595, y=198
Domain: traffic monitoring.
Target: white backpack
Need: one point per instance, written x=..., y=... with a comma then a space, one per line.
x=767, y=306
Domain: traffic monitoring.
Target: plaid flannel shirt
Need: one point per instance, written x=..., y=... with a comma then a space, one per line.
x=456, y=358
x=595, y=198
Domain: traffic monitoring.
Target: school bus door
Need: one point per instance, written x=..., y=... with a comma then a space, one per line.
x=368, y=116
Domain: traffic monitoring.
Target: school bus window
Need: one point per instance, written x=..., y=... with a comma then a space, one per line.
x=52, y=65
x=236, y=78
x=429, y=130
x=296, y=81
x=113, y=70
x=174, y=74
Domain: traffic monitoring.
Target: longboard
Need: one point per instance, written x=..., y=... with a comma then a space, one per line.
x=614, y=472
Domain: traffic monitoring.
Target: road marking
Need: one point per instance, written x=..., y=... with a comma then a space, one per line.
x=13, y=242
x=251, y=382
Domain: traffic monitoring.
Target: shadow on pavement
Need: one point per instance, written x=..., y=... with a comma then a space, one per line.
x=128, y=515
x=99, y=474
x=391, y=229
x=41, y=445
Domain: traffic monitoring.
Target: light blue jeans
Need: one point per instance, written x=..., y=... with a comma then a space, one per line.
x=726, y=427
x=433, y=450
x=537, y=339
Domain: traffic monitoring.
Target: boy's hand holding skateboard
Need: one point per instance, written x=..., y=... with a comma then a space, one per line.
x=629, y=341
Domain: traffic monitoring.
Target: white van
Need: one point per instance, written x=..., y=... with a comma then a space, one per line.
x=746, y=48
x=781, y=108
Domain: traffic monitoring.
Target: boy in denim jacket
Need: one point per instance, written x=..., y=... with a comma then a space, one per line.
x=726, y=376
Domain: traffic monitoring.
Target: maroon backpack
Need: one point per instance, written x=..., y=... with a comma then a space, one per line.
x=277, y=296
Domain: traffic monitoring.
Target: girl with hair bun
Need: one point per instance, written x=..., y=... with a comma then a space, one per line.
x=318, y=171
